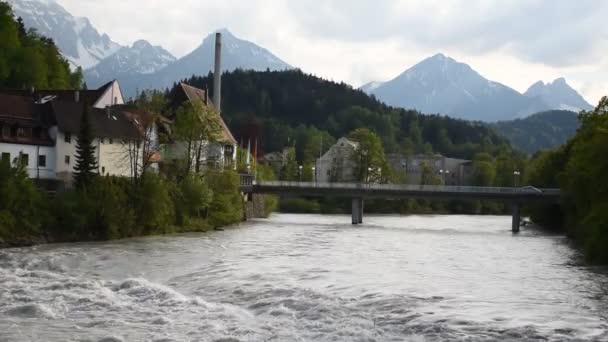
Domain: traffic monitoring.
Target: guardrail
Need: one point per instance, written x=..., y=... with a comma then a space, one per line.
x=408, y=187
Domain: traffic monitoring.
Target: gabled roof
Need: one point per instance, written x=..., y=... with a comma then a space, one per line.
x=196, y=94
x=22, y=112
x=112, y=122
x=347, y=141
x=17, y=107
x=68, y=95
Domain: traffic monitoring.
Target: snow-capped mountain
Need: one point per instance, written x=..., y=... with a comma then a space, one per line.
x=558, y=95
x=440, y=84
x=128, y=62
x=236, y=53
x=76, y=38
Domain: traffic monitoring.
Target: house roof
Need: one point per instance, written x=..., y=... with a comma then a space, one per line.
x=17, y=107
x=87, y=96
x=112, y=122
x=23, y=112
x=344, y=140
x=196, y=94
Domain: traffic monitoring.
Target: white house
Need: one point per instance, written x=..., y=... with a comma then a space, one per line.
x=41, y=128
x=24, y=136
x=337, y=164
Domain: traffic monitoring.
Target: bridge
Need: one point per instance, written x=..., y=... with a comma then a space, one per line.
x=360, y=191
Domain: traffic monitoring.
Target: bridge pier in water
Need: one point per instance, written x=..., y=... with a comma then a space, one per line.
x=357, y=210
x=516, y=219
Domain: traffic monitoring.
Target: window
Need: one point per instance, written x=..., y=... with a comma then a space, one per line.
x=6, y=157
x=20, y=132
x=37, y=132
x=42, y=161
x=110, y=141
x=68, y=137
x=6, y=131
x=103, y=170
x=67, y=160
x=25, y=159
x=101, y=140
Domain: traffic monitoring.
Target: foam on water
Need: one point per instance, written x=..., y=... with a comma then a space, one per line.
x=324, y=283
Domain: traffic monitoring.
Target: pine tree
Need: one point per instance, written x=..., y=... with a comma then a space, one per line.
x=86, y=162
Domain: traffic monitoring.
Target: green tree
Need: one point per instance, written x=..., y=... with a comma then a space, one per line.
x=227, y=205
x=196, y=125
x=86, y=162
x=484, y=171
x=428, y=176
x=582, y=181
x=21, y=207
x=369, y=160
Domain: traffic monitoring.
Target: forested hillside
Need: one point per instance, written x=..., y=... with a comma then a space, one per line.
x=541, y=131
x=30, y=60
x=285, y=108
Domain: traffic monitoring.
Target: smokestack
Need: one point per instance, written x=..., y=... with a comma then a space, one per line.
x=217, y=74
x=76, y=96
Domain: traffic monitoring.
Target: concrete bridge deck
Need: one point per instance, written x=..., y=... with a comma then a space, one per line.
x=359, y=191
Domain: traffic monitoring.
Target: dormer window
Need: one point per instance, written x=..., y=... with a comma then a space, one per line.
x=68, y=137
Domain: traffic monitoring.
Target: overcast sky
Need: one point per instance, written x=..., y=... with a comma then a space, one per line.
x=357, y=41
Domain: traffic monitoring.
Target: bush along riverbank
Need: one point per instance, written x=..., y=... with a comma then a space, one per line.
x=579, y=168
x=114, y=208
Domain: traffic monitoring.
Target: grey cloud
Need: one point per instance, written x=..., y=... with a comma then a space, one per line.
x=557, y=33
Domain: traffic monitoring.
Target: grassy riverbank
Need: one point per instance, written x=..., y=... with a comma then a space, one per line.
x=114, y=208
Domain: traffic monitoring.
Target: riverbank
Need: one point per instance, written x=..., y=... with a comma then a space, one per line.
x=114, y=208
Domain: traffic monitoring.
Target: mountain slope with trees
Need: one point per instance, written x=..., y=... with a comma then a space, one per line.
x=30, y=60
x=283, y=108
x=541, y=131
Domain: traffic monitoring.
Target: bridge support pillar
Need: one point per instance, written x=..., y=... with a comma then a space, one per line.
x=357, y=211
x=516, y=217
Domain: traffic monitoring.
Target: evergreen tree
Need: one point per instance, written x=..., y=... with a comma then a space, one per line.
x=86, y=162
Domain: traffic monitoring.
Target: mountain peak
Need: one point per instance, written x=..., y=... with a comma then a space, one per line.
x=558, y=95
x=141, y=44
x=560, y=80
x=439, y=56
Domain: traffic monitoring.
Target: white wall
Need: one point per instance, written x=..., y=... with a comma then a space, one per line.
x=112, y=158
x=337, y=159
x=108, y=98
x=33, y=151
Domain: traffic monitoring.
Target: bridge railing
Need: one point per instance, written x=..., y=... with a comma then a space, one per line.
x=409, y=187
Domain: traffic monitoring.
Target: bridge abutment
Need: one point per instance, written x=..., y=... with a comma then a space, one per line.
x=516, y=219
x=357, y=211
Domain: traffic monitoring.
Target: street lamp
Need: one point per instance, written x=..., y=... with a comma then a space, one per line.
x=314, y=174
x=300, y=172
x=369, y=170
x=516, y=175
x=444, y=175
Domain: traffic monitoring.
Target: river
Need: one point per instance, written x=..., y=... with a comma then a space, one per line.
x=309, y=278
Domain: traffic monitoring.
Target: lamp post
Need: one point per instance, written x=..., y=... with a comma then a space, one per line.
x=300, y=172
x=314, y=174
x=516, y=175
x=369, y=170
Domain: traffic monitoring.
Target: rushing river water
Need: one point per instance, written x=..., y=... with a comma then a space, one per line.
x=309, y=278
